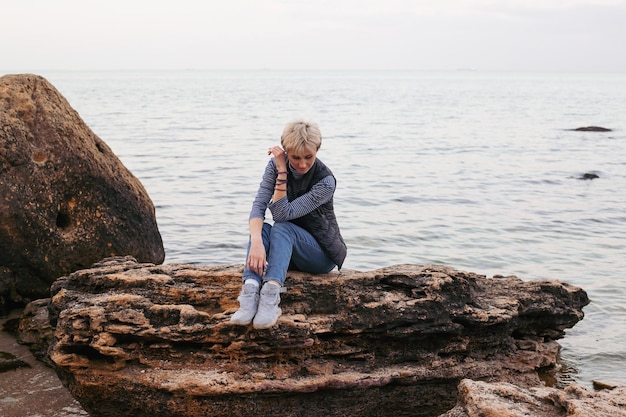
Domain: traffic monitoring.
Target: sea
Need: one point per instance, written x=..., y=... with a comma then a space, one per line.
x=480, y=171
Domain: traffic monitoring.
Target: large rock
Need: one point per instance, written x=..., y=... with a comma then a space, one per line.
x=144, y=340
x=482, y=399
x=67, y=200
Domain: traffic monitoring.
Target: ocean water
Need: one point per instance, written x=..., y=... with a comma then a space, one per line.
x=475, y=170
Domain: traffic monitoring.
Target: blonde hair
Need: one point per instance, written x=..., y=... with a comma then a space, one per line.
x=301, y=134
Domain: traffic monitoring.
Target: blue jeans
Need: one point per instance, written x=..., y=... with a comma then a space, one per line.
x=288, y=246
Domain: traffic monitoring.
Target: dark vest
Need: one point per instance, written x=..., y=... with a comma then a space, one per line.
x=321, y=223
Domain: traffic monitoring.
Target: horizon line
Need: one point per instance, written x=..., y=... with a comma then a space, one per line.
x=461, y=69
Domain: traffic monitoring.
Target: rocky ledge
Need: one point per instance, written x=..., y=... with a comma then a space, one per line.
x=144, y=340
x=482, y=399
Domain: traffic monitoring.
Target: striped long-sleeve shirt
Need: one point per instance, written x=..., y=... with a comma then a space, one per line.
x=284, y=210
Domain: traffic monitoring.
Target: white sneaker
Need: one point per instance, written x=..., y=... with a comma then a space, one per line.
x=248, y=303
x=268, y=312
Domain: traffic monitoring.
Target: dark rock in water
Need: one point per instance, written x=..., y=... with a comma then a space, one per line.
x=67, y=200
x=603, y=385
x=502, y=399
x=592, y=129
x=9, y=362
x=144, y=340
x=588, y=176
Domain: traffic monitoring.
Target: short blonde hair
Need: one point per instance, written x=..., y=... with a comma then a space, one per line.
x=301, y=134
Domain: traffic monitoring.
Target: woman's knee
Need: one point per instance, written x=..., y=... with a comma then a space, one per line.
x=266, y=230
x=282, y=228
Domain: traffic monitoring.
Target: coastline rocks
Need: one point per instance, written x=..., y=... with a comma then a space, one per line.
x=67, y=200
x=503, y=399
x=144, y=340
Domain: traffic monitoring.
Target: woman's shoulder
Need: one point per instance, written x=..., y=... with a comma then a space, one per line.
x=323, y=169
x=270, y=166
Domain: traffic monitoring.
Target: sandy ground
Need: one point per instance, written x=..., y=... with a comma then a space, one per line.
x=33, y=391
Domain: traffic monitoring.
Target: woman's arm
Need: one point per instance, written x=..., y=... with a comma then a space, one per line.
x=321, y=193
x=265, y=192
x=280, y=162
x=275, y=171
x=256, y=258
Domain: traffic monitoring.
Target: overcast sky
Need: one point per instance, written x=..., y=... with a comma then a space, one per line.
x=525, y=35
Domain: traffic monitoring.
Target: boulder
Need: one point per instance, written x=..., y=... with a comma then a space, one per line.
x=67, y=200
x=143, y=340
x=482, y=399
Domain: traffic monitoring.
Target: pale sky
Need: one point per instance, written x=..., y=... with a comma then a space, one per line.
x=516, y=35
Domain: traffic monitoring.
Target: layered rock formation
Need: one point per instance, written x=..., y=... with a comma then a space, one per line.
x=144, y=340
x=482, y=399
x=67, y=200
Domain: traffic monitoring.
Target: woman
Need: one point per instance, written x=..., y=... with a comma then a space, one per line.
x=298, y=189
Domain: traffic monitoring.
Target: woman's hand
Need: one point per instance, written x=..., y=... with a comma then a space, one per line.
x=256, y=258
x=280, y=157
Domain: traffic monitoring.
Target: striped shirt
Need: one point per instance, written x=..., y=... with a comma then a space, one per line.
x=284, y=210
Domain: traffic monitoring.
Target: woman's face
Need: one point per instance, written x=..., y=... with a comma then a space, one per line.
x=303, y=160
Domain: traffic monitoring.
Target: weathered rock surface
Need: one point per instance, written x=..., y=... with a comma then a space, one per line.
x=144, y=340
x=35, y=330
x=67, y=200
x=482, y=399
